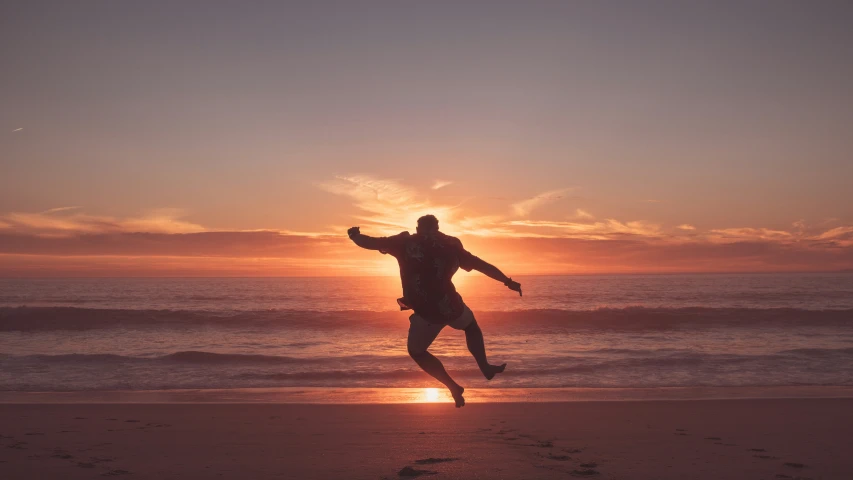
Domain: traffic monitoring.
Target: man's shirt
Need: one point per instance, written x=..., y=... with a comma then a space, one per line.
x=427, y=265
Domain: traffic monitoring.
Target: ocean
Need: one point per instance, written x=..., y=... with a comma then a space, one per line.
x=582, y=332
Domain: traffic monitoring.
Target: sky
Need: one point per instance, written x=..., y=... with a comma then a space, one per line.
x=553, y=137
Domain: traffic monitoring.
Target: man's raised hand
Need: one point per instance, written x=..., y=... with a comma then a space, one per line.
x=353, y=231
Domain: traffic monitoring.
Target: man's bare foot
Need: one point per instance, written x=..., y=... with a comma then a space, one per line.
x=457, y=396
x=494, y=370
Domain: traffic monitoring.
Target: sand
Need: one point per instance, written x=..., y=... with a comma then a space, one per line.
x=715, y=439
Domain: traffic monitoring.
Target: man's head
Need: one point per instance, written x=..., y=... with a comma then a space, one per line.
x=427, y=224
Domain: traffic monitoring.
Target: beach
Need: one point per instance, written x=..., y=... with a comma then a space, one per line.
x=695, y=439
x=682, y=377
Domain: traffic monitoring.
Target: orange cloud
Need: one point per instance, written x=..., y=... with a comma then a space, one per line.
x=525, y=207
x=728, y=235
x=65, y=240
x=273, y=253
x=440, y=184
x=595, y=230
x=387, y=205
x=59, y=222
x=583, y=214
x=836, y=237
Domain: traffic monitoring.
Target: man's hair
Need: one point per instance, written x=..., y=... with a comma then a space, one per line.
x=427, y=223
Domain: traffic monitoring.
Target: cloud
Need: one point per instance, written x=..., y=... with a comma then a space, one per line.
x=642, y=255
x=64, y=221
x=600, y=248
x=728, y=235
x=525, y=207
x=60, y=209
x=836, y=237
x=602, y=230
x=17, y=129
x=440, y=184
x=67, y=241
x=386, y=205
x=257, y=244
x=583, y=214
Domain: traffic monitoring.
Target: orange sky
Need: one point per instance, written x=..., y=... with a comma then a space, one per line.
x=158, y=138
x=521, y=238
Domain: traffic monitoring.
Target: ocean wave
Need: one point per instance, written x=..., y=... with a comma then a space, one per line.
x=188, y=357
x=631, y=318
x=201, y=369
x=533, y=363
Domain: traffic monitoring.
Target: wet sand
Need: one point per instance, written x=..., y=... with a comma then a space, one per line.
x=713, y=439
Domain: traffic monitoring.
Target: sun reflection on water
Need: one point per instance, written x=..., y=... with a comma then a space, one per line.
x=431, y=394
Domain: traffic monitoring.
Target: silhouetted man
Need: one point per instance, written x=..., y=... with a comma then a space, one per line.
x=428, y=259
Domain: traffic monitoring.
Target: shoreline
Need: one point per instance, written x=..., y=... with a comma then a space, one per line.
x=369, y=396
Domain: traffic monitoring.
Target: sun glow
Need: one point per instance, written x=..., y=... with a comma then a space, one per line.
x=431, y=394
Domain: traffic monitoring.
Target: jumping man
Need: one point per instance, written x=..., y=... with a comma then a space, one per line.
x=428, y=260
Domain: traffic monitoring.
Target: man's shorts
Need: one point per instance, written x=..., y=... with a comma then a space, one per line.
x=422, y=333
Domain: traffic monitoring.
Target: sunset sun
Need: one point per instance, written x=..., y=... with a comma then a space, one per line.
x=431, y=394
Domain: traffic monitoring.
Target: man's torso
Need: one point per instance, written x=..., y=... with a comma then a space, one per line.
x=427, y=265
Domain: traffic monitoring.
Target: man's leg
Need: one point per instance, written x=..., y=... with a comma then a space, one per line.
x=477, y=347
x=421, y=336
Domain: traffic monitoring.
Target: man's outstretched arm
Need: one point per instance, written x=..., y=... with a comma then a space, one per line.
x=492, y=271
x=364, y=241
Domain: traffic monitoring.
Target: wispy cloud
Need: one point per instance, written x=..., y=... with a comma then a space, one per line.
x=60, y=209
x=163, y=242
x=750, y=234
x=838, y=237
x=387, y=205
x=17, y=129
x=583, y=214
x=602, y=230
x=64, y=221
x=525, y=207
x=440, y=184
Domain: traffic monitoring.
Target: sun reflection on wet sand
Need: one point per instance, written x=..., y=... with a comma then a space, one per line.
x=329, y=395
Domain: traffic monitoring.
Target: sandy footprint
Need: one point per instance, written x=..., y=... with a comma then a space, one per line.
x=432, y=460
x=585, y=472
x=115, y=473
x=61, y=454
x=409, y=472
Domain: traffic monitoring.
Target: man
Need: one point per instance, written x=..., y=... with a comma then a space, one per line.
x=428, y=259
